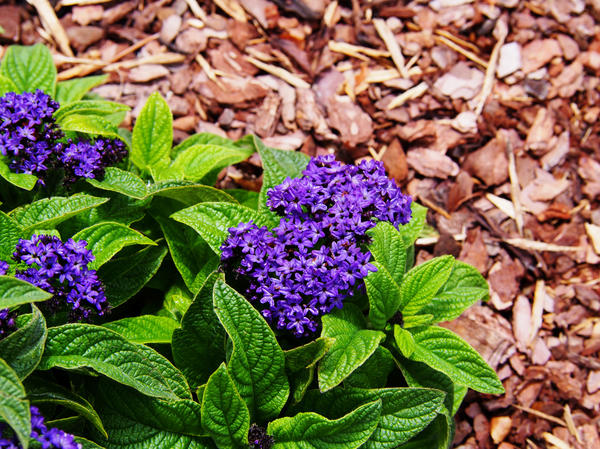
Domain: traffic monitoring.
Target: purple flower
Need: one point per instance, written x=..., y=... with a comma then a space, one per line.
x=316, y=257
x=49, y=438
x=28, y=133
x=62, y=269
x=88, y=159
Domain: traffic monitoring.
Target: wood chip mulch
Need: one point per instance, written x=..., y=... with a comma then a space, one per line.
x=486, y=111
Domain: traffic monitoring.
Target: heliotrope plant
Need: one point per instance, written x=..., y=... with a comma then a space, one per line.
x=142, y=307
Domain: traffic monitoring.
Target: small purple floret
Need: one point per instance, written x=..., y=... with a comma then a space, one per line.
x=315, y=258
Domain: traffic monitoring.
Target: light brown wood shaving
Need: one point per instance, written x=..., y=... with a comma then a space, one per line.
x=535, y=245
x=410, y=94
x=233, y=8
x=52, y=24
x=467, y=53
x=555, y=441
x=286, y=76
x=392, y=45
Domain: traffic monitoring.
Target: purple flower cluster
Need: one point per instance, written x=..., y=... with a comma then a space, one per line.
x=29, y=137
x=315, y=257
x=28, y=133
x=88, y=159
x=7, y=318
x=49, y=438
x=62, y=269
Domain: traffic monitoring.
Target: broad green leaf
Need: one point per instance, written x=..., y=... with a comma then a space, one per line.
x=14, y=406
x=404, y=411
x=384, y=296
x=418, y=374
x=134, y=421
x=119, y=208
x=87, y=444
x=152, y=134
x=121, y=181
x=464, y=287
x=404, y=340
x=257, y=363
x=124, y=276
x=10, y=233
x=416, y=320
x=178, y=300
x=30, y=68
x=388, y=248
x=444, y=351
x=23, y=349
x=49, y=212
x=225, y=415
x=300, y=381
x=192, y=256
x=422, y=283
x=199, y=345
x=313, y=431
x=14, y=292
x=6, y=86
x=107, y=239
x=21, y=180
x=197, y=161
x=374, y=372
x=74, y=89
x=277, y=166
x=353, y=345
x=100, y=108
x=307, y=355
x=145, y=328
x=212, y=220
x=75, y=346
x=203, y=139
x=188, y=193
x=437, y=435
x=42, y=392
x=89, y=124
x=246, y=198
x=412, y=230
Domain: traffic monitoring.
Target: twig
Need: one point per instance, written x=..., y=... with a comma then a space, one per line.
x=392, y=45
x=515, y=191
x=52, y=24
x=457, y=40
x=490, y=72
x=410, y=94
x=539, y=298
x=286, y=76
x=571, y=424
x=468, y=54
x=160, y=58
x=356, y=50
x=196, y=10
x=543, y=415
x=62, y=3
x=555, y=441
x=534, y=245
x=233, y=8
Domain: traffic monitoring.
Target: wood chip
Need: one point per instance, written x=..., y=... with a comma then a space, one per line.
x=52, y=24
x=233, y=8
x=410, y=94
x=571, y=424
x=539, y=301
x=196, y=10
x=468, y=54
x=392, y=45
x=542, y=415
x=534, y=245
x=500, y=427
x=503, y=204
x=161, y=58
x=286, y=76
x=490, y=71
x=356, y=51
x=555, y=441
x=515, y=190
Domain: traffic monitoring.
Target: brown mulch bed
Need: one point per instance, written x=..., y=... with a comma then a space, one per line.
x=485, y=111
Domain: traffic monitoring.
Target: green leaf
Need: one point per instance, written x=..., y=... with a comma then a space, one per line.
x=300, y=381
x=384, y=296
x=446, y=352
x=188, y=193
x=145, y=328
x=100, y=108
x=124, y=276
x=107, y=239
x=257, y=363
x=87, y=444
x=388, y=248
x=353, y=345
x=246, y=198
x=412, y=230
x=14, y=292
x=224, y=413
x=40, y=391
x=21, y=180
x=277, y=166
x=417, y=320
x=178, y=300
x=192, y=256
x=6, y=86
x=30, y=68
x=89, y=124
x=404, y=340
x=49, y=212
x=121, y=181
x=418, y=374
x=14, y=406
x=374, y=372
x=307, y=355
x=10, y=233
x=422, y=283
x=464, y=287
x=197, y=161
x=74, y=89
x=312, y=431
x=23, y=349
x=203, y=139
x=75, y=346
x=212, y=220
x=152, y=134
x=199, y=345
x=134, y=421
x=404, y=411
x=437, y=435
